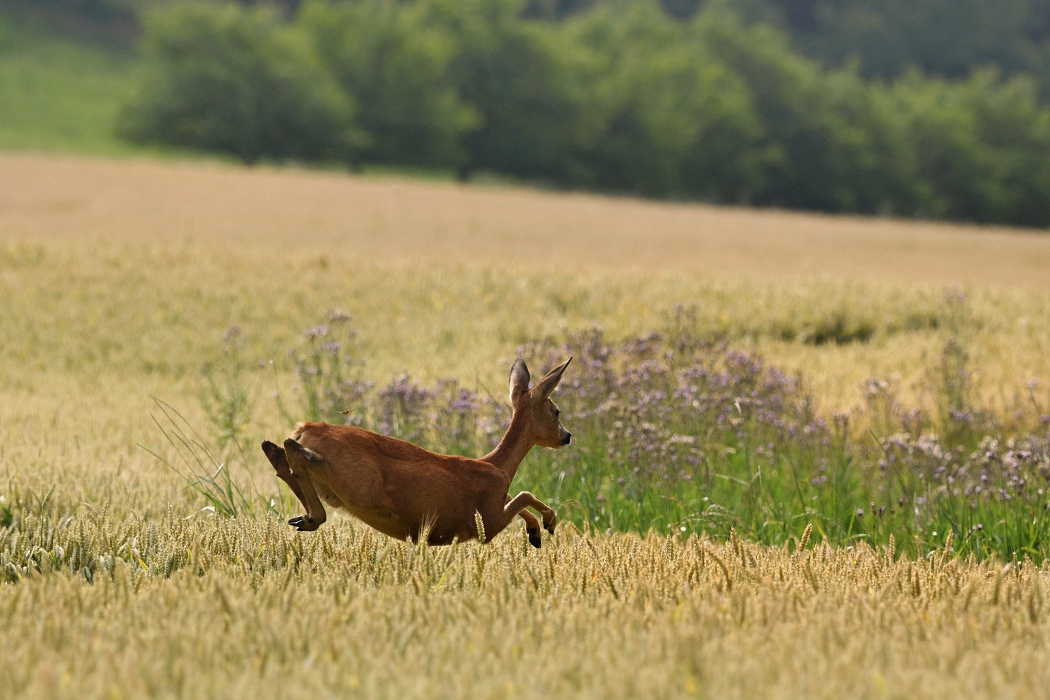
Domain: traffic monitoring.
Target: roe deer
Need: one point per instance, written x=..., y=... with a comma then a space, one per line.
x=402, y=490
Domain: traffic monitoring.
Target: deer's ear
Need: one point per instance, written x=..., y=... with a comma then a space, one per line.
x=547, y=385
x=519, y=381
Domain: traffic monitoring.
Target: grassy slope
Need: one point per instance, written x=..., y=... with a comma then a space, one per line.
x=59, y=92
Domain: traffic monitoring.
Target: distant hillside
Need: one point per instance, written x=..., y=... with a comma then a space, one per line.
x=940, y=37
x=947, y=38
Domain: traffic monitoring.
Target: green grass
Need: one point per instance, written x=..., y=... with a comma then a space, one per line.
x=60, y=92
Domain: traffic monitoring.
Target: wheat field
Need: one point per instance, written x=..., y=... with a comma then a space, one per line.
x=119, y=280
x=233, y=609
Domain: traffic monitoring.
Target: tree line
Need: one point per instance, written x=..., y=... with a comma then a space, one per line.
x=620, y=97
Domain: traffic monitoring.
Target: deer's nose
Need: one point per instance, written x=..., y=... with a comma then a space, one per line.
x=567, y=439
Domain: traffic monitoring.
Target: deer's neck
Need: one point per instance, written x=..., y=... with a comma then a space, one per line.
x=515, y=444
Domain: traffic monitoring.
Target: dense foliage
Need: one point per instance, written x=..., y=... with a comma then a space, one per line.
x=939, y=37
x=619, y=98
x=887, y=37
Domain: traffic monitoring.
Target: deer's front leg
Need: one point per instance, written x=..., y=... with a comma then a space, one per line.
x=523, y=500
x=299, y=460
x=532, y=525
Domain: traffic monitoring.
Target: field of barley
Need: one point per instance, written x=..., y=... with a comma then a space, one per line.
x=810, y=453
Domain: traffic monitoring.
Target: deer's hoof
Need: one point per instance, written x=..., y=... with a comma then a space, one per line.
x=549, y=527
x=304, y=523
x=534, y=537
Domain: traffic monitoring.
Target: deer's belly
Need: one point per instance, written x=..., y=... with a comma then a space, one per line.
x=386, y=521
x=327, y=495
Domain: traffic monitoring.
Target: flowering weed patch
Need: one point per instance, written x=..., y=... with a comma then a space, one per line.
x=679, y=432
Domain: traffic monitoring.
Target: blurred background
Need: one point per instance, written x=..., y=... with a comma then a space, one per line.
x=916, y=108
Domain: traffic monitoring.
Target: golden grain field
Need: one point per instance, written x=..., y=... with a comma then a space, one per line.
x=119, y=279
x=254, y=610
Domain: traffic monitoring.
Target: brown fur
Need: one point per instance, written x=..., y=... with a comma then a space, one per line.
x=401, y=489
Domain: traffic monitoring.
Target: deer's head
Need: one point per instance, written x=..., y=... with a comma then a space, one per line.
x=541, y=412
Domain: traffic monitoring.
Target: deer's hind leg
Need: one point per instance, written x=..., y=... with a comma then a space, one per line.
x=279, y=461
x=299, y=461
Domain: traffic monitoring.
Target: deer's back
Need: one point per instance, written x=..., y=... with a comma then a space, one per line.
x=418, y=484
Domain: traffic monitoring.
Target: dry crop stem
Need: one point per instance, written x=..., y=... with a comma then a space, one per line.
x=118, y=281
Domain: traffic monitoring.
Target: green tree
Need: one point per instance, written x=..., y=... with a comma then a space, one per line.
x=832, y=146
x=237, y=81
x=672, y=119
x=518, y=77
x=981, y=146
x=397, y=70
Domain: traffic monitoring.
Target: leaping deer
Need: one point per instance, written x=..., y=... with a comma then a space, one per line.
x=400, y=488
